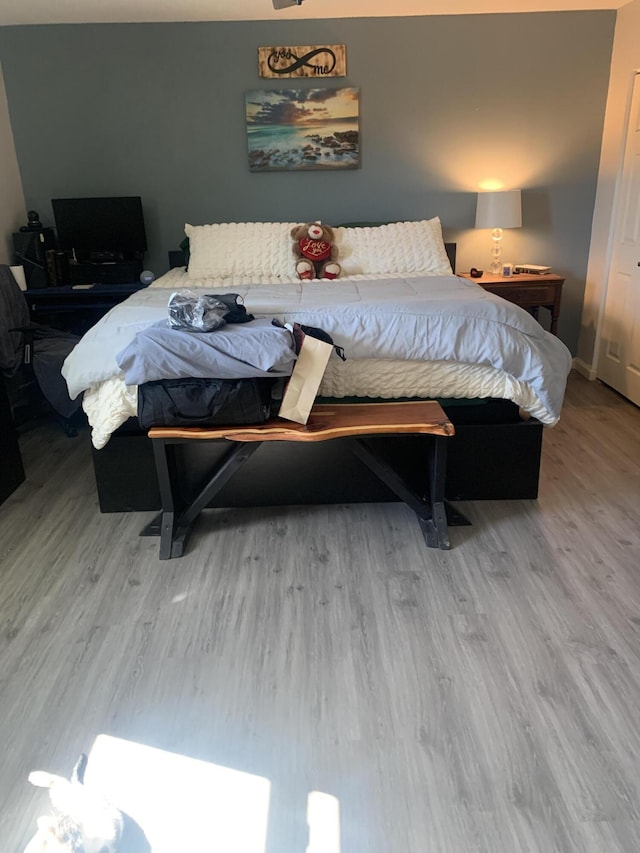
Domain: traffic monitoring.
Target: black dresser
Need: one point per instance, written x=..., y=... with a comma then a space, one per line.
x=11, y=470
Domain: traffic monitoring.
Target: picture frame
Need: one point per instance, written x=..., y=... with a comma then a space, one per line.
x=303, y=129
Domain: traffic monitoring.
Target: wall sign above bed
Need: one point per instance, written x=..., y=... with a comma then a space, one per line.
x=303, y=61
x=301, y=129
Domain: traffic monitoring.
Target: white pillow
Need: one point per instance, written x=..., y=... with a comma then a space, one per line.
x=400, y=247
x=258, y=250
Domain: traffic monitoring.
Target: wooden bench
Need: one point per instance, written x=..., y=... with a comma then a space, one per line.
x=352, y=423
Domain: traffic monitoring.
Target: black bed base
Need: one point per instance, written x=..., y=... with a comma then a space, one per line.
x=494, y=455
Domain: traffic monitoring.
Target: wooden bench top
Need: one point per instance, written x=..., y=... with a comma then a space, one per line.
x=330, y=421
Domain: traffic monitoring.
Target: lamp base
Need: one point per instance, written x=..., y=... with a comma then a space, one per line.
x=496, y=262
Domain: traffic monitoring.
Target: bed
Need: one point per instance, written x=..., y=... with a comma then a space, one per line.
x=409, y=327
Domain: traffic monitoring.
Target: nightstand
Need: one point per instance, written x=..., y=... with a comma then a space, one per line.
x=528, y=291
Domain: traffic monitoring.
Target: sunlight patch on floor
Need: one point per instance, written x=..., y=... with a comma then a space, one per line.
x=323, y=817
x=183, y=803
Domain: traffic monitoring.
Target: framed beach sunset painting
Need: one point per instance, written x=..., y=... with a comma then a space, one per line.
x=299, y=129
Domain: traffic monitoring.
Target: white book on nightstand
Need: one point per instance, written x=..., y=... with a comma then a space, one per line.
x=534, y=269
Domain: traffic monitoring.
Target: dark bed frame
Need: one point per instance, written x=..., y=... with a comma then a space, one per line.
x=494, y=455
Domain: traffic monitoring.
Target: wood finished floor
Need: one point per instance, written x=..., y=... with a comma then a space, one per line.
x=484, y=699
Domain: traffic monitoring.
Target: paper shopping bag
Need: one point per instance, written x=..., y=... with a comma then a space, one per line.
x=305, y=380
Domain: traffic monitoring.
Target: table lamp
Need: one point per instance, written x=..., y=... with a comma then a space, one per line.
x=498, y=210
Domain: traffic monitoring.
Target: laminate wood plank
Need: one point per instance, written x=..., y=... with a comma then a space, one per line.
x=478, y=700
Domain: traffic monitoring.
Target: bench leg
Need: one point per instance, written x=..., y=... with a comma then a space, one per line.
x=164, y=525
x=434, y=527
x=172, y=527
x=430, y=510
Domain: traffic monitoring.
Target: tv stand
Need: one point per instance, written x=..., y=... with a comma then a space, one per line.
x=75, y=309
x=105, y=272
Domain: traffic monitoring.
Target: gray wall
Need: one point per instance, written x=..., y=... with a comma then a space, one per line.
x=12, y=204
x=157, y=110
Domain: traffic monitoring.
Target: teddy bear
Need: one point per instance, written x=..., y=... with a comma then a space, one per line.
x=315, y=250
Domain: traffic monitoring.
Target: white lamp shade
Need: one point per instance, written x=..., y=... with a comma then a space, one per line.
x=499, y=210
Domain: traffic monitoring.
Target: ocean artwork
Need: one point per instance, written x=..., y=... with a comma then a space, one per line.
x=303, y=129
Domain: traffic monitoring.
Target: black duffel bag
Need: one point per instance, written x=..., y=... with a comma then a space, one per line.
x=207, y=402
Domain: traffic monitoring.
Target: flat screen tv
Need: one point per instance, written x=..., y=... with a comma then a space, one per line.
x=96, y=227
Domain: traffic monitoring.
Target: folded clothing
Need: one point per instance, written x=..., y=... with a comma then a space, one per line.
x=240, y=351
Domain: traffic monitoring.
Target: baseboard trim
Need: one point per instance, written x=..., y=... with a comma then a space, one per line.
x=584, y=369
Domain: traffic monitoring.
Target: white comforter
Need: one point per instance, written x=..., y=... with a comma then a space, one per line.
x=444, y=320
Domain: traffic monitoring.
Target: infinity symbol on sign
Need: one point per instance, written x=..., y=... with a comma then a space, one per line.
x=302, y=61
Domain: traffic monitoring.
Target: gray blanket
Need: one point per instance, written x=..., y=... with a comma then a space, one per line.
x=50, y=346
x=232, y=352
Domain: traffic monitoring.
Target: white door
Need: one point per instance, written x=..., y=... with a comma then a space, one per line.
x=619, y=358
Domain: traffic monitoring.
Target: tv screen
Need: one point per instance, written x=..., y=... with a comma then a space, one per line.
x=92, y=226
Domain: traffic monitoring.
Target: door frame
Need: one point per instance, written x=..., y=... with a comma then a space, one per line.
x=633, y=82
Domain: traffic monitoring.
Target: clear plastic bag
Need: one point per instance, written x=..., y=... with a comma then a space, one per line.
x=196, y=312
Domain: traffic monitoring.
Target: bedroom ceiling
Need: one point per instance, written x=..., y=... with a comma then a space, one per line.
x=115, y=11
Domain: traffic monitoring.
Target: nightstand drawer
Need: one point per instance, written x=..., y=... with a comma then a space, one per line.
x=528, y=291
x=525, y=294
